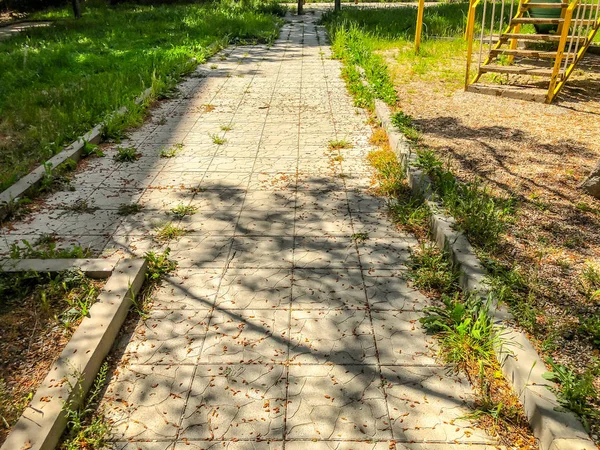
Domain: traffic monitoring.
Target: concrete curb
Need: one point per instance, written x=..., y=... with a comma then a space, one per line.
x=555, y=428
x=43, y=422
x=26, y=184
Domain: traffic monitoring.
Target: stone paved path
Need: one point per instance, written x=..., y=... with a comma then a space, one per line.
x=278, y=326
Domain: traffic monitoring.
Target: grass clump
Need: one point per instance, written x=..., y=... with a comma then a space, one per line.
x=60, y=81
x=431, y=270
x=171, y=151
x=169, y=232
x=404, y=123
x=126, y=154
x=181, y=211
x=575, y=390
x=127, y=209
x=476, y=210
x=86, y=426
x=339, y=144
x=45, y=248
x=389, y=174
x=159, y=265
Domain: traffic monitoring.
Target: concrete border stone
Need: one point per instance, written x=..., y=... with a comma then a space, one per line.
x=71, y=376
x=553, y=426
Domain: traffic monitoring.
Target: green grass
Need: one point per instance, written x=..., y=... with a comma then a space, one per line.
x=181, y=211
x=57, y=82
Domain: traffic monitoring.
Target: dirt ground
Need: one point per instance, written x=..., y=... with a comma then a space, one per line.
x=539, y=154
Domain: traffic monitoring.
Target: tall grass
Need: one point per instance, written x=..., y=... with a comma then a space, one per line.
x=58, y=81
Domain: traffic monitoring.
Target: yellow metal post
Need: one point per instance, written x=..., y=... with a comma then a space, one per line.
x=469, y=37
x=419, y=30
x=564, y=35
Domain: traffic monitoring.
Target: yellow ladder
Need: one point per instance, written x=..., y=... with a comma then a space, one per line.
x=576, y=28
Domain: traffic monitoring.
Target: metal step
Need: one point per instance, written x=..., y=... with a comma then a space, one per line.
x=538, y=37
x=516, y=92
x=526, y=6
x=528, y=53
x=516, y=70
x=537, y=21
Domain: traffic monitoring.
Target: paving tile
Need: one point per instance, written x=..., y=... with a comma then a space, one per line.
x=339, y=445
x=266, y=223
x=323, y=223
x=167, y=337
x=146, y=402
x=230, y=445
x=247, y=336
x=201, y=251
x=382, y=253
x=336, y=402
x=325, y=252
x=401, y=339
x=236, y=402
x=429, y=404
x=261, y=252
x=255, y=289
x=339, y=336
x=389, y=290
x=187, y=289
x=315, y=289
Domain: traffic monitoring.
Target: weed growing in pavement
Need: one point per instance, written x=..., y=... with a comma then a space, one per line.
x=359, y=238
x=171, y=151
x=431, y=270
x=216, y=139
x=126, y=154
x=47, y=251
x=168, y=232
x=208, y=108
x=86, y=426
x=226, y=127
x=90, y=149
x=181, y=211
x=575, y=390
x=127, y=209
x=389, y=174
x=339, y=144
x=159, y=265
x=80, y=206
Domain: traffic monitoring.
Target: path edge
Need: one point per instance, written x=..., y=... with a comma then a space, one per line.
x=553, y=426
x=41, y=425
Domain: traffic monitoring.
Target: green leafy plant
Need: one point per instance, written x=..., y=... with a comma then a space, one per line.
x=405, y=125
x=359, y=238
x=80, y=206
x=216, y=139
x=159, y=265
x=126, y=154
x=90, y=149
x=591, y=328
x=574, y=390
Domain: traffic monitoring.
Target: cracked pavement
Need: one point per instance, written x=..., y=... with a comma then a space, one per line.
x=278, y=330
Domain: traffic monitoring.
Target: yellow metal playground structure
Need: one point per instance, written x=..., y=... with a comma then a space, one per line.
x=534, y=39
